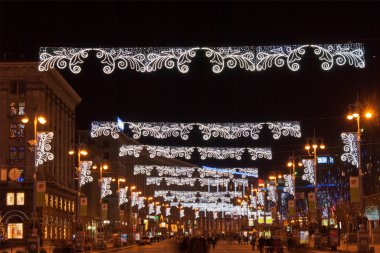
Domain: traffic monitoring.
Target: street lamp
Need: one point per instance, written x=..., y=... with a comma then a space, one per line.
x=38, y=119
x=103, y=166
x=315, y=143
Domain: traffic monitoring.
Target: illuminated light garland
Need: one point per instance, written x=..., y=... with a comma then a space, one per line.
x=151, y=208
x=134, y=196
x=253, y=201
x=140, y=203
x=285, y=128
x=350, y=141
x=192, y=195
x=62, y=57
x=106, y=187
x=167, y=211
x=260, y=153
x=43, y=147
x=142, y=169
x=196, y=214
x=240, y=181
x=175, y=171
x=309, y=170
x=272, y=194
x=179, y=181
x=134, y=150
x=230, y=130
x=123, y=196
x=158, y=209
x=154, y=180
x=277, y=56
x=221, y=153
x=213, y=181
x=249, y=172
x=250, y=58
x=99, y=128
x=181, y=213
x=170, y=152
x=207, y=172
x=260, y=198
x=289, y=185
x=161, y=130
x=232, y=57
x=85, y=172
x=340, y=54
x=215, y=215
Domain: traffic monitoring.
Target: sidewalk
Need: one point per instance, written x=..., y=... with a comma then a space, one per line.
x=51, y=249
x=352, y=247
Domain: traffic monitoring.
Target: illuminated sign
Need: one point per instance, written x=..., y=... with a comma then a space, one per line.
x=325, y=160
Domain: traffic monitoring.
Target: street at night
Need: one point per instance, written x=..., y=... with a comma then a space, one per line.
x=189, y=127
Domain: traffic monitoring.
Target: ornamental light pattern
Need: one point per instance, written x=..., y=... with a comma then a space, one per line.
x=160, y=130
x=43, y=148
x=230, y=130
x=106, y=187
x=85, y=172
x=221, y=153
x=260, y=153
x=289, y=185
x=123, y=196
x=170, y=152
x=309, y=170
x=350, y=141
x=260, y=198
x=250, y=58
x=134, y=150
x=134, y=196
x=253, y=201
x=175, y=171
x=153, y=180
x=179, y=181
x=151, y=208
x=140, y=203
x=249, y=172
x=106, y=128
x=181, y=213
x=214, y=181
x=196, y=214
x=142, y=169
x=207, y=172
x=167, y=211
x=240, y=181
x=272, y=194
x=292, y=128
x=158, y=209
x=215, y=215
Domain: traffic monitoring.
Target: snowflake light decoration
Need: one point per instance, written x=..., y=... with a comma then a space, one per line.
x=285, y=128
x=230, y=130
x=260, y=153
x=309, y=170
x=123, y=196
x=99, y=128
x=350, y=141
x=43, y=148
x=106, y=187
x=161, y=130
x=289, y=185
x=85, y=172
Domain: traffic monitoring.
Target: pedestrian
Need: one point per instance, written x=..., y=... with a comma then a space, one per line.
x=261, y=244
x=289, y=243
x=213, y=242
x=239, y=239
x=253, y=242
x=197, y=245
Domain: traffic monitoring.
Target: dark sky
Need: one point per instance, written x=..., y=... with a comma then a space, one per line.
x=311, y=95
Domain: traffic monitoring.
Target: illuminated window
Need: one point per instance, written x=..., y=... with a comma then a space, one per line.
x=16, y=130
x=17, y=153
x=15, y=231
x=56, y=202
x=51, y=201
x=20, y=198
x=10, y=199
x=17, y=108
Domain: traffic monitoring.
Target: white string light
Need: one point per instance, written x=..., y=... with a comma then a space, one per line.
x=123, y=196
x=134, y=196
x=160, y=130
x=85, y=172
x=260, y=198
x=230, y=130
x=285, y=128
x=134, y=150
x=350, y=141
x=272, y=196
x=289, y=185
x=142, y=169
x=250, y=58
x=153, y=180
x=181, y=213
x=309, y=170
x=167, y=211
x=249, y=172
x=99, y=128
x=140, y=203
x=221, y=153
x=260, y=153
x=158, y=209
x=151, y=208
x=106, y=187
x=43, y=148
x=170, y=152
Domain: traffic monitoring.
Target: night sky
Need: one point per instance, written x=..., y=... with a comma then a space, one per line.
x=317, y=98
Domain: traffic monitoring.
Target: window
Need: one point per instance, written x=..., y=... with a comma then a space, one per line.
x=17, y=108
x=20, y=199
x=17, y=87
x=15, y=231
x=16, y=130
x=17, y=153
x=10, y=199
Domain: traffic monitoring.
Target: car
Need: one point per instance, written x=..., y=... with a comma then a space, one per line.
x=145, y=240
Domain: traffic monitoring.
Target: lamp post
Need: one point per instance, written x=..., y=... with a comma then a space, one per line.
x=275, y=179
x=122, y=179
x=103, y=166
x=315, y=143
x=41, y=120
x=292, y=161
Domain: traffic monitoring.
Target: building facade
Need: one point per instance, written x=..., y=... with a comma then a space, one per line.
x=24, y=91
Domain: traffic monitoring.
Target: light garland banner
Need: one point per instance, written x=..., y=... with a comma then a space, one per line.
x=106, y=187
x=158, y=209
x=350, y=141
x=123, y=196
x=151, y=208
x=154, y=180
x=142, y=169
x=253, y=201
x=309, y=170
x=285, y=128
x=193, y=195
x=230, y=130
x=208, y=172
x=260, y=153
x=140, y=203
x=167, y=211
x=134, y=198
x=43, y=148
x=160, y=130
x=249, y=172
x=85, y=172
x=221, y=153
x=250, y=58
x=175, y=171
x=179, y=181
x=272, y=194
x=196, y=214
x=289, y=185
x=105, y=128
x=186, y=152
x=260, y=198
x=181, y=213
